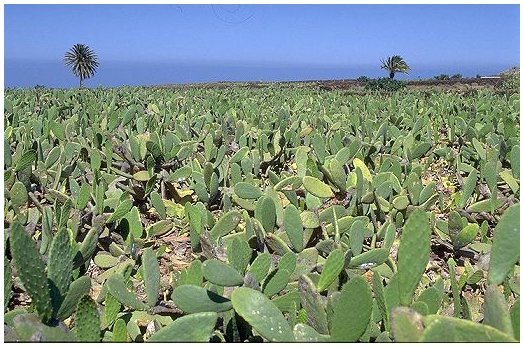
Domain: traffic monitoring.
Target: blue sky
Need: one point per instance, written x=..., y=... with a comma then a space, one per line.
x=155, y=44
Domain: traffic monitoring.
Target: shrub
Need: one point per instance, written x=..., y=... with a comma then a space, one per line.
x=442, y=77
x=385, y=84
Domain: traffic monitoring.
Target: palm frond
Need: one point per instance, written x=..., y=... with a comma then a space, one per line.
x=395, y=64
x=82, y=60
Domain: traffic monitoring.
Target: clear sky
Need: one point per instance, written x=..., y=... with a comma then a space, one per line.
x=155, y=44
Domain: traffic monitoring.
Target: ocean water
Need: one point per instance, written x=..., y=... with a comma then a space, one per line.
x=27, y=74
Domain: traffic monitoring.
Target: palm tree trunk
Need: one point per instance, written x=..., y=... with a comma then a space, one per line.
x=391, y=75
x=80, y=82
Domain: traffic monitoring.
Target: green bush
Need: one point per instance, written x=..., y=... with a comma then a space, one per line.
x=442, y=77
x=385, y=84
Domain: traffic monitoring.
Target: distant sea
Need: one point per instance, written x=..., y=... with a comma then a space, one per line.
x=28, y=74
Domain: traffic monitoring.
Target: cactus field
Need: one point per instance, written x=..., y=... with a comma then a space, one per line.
x=281, y=213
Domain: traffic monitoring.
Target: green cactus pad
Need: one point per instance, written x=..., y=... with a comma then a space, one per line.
x=378, y=291
x=450, y=329
x=52, y=157
x=238, y=156
x=332, y=268
x=119, y=331
x=276, y=244
x=26, y=160
x=466, y=235
x=413, y=254
x=265, y=212
x=154, y=149
x=359, y=164
x=192, y=299
x=288, y=301
x=18, y=195
x=309, y=220
x=316, y=187
x=159, y=228
x=245, y=190
x=121, y=268
x=276, y=281
x=432, y=298
x=84, y=195
x=401, y=202
x=260, y=266
x=419, y=150
x=239, y=254
x=338, y=174
x=352, y=312
x=289, y=183
x=135, y=224
x=60, y=266
x=505, y=250
x=371, y=258
x=293, y=227
x=151, y=273
x=313, y=305
x=485, y=205
x=496, y=311
x=226, y=224
x=158, y=204
x=306, y=261
x=357, y=233
x=305, y=333
x=121, y=210
x=142, y=176
x=288, y=262
x=111, y=310
x=28, y=328
x=192, y=274
x=196, y=327
x=87, y=248
x=406, y=325
x=31, y=270
x=87, y=321
x=105, y=260
x=78, y=289
x=221, y=273
x=261, y=314
x=117, y=287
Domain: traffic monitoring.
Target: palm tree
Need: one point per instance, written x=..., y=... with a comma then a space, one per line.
x=82, y=60
x=395, y=64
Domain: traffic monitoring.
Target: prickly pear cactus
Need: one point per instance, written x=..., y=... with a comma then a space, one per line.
x=353, y=309
x=196, y=327
x=296, y=212
x=221, y=273
x=60, y=267
x=194, y=299
x=151, y=276
x=31, y=270
x=87, y=320
x=18, y=195
x=262, y=314
x=77, y=290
